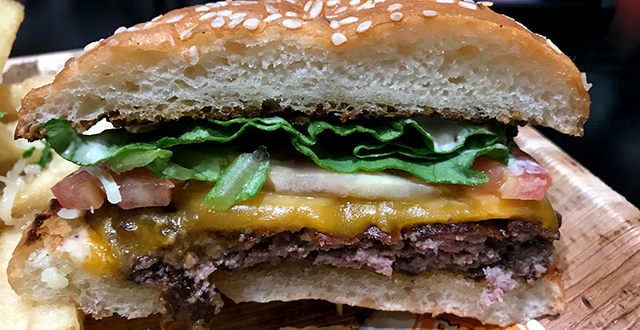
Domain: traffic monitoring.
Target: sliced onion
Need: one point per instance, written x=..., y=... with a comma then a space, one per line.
x=297, y=178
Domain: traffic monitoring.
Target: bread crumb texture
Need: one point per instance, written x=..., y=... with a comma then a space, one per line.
x=435, y=292
x=451, y=59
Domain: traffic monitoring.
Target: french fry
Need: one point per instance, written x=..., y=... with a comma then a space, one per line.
x=11, y=95
x=11, y=14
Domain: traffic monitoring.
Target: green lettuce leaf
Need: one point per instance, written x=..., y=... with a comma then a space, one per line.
x=433, y=150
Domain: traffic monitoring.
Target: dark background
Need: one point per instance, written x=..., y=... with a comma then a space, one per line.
x=601, y=36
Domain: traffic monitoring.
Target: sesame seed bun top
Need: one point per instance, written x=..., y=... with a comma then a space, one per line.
x=446, y=58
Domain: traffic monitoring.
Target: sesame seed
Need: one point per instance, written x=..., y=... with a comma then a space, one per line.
x=91, y=45
x=367, y=5
x=341, y=9
x=522, y=26
x=338, y=38
x=334, y=24
x=291, y=24
x=156, y=18
x=202, y=8
x=120, y=30
x=174, y=19
x=147, y=25
x=307, y=6
x=394, y=7
x=225, y=13
x=272, y=17
x=217, y=23
x=444, y=1
x=237, y=15
x=133, y=28
x=290, y=14
x=234, y=22
x=467, y=5
x=270, y=9
x=207, y=16
x=485, y=3
x=293, y=2
x=191, y=55
x=379, y=1
x=112, y=42
x=553, y=46
x=332, y=3
x=396, y=16
x=316, y=9
x=364, y=26
x=354, y=2
x=429, y=13
x=251, y=23
x=185, y=34
x=587, y=86
x=348, y=20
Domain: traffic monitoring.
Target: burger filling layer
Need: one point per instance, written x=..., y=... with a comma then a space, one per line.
x=170, y=206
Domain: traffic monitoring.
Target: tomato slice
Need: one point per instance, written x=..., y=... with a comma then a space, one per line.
x=525, y=179
x=141, y=188
x=138, y=188
x=80, y=191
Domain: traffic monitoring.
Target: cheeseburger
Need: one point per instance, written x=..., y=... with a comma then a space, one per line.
x=359, y=152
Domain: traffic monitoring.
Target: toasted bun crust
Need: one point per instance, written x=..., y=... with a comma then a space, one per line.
x=455, y=60
x=41, y=270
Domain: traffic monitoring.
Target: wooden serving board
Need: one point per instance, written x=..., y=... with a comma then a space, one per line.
x=599, y=250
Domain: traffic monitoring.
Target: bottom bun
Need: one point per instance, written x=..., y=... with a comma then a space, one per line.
x=434, y=292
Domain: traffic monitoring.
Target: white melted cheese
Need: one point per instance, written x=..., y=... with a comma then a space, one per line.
x=293, y=178
x=111, y=187
x=77, y=245
x=89, y=152
x=70, y=213
x=446, y=134
x=99, y=127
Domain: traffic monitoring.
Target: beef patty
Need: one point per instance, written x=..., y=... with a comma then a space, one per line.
x=181, y=270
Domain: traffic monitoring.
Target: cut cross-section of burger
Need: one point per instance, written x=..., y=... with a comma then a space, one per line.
x=360, y=153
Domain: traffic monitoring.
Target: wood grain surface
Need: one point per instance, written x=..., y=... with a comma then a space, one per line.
x=600, y=244
x=599, y=249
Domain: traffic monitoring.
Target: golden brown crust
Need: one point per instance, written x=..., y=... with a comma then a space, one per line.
x=317, y=22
